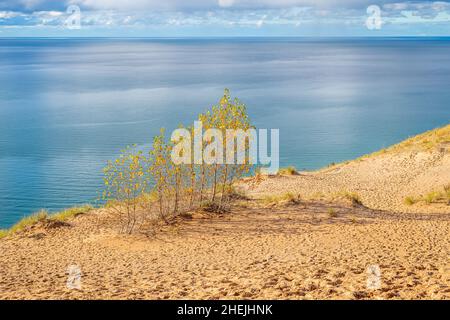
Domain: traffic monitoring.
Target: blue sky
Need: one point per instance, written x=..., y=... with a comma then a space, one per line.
x=184, y=18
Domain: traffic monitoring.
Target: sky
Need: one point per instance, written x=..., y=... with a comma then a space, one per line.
x=222, y=18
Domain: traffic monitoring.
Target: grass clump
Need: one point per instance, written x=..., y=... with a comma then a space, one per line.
x=442, y=196
x=212, y=207
x=447, y=191
x=29, y=221
x=332, y=213
x=284, y=199
x=353, y=197
x=423, y=142
x=432, y=197
x=3, y=233
x=70, y=213
x=236, y=194
x=410, y=201
x=42, y=216
x=288, y=171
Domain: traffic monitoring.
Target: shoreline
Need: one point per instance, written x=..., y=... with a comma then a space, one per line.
x=436, y=141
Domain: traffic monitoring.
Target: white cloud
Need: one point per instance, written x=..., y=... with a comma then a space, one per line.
x=226, y=3
x=225, y=13
x=8, y=14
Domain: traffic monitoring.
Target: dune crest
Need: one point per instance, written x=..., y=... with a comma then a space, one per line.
x=413, y=168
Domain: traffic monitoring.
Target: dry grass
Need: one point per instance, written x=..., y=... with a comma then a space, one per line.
x=289, y=171
x=332, y=213
x=432, y=197
x=447, y=191
x=42, y=216
x=70, y=213
x=285, y=199
x=423, y=142
x=410, y=201
x=3, y=233
x=440, y=196
x=29, y=221
x=353, y=197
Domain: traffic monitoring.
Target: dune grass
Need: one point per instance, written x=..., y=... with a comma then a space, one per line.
x=288, y=171
x=332, y=213
x=447, y=191
x=347, y=195
x=3, y=233
x=70, y=213
x=287, y=198
x=42, y=216
x=426, y=141
x=440, y=196
x=409, y=201
x=29, y=221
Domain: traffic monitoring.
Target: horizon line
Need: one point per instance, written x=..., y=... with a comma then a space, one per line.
x=229, y=37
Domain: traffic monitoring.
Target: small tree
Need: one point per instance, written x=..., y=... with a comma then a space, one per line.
x=175, y=188
x=126, y=183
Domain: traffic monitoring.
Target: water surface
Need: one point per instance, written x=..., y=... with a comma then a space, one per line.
x=69, y=105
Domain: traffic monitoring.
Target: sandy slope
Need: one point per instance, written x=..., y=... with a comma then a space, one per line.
x=292, y=252
x=382, y=182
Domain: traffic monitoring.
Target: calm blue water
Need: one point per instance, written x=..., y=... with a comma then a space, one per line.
x=67, y=106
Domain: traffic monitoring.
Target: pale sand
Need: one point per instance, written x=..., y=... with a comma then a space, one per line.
x=287, y=252
x=291, y=251
x=382, y=182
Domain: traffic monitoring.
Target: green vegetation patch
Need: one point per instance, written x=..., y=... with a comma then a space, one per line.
x=43, y=216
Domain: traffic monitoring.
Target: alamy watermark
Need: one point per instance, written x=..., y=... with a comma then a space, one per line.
x=373, y=277
x=229, y=146
x=73, y=22
x=74, y=277
x=374, y=21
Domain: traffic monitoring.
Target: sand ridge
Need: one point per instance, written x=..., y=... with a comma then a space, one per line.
x=382, y=182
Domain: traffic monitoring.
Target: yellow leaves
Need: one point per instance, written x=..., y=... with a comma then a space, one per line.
x=133, y=175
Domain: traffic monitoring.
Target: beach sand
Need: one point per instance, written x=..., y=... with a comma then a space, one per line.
x=314, y=248
x=285, y=252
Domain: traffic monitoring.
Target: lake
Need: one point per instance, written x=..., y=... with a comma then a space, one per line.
x=69, y=105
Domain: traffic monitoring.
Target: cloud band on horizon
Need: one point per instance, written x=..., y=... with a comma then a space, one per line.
x=228, y=17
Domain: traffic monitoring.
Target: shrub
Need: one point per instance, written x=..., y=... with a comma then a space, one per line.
x=125, y=183
x=176, y=188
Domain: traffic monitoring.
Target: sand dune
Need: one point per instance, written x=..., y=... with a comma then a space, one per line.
x=309, y=249
x=382, y=182
x=287, y=252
